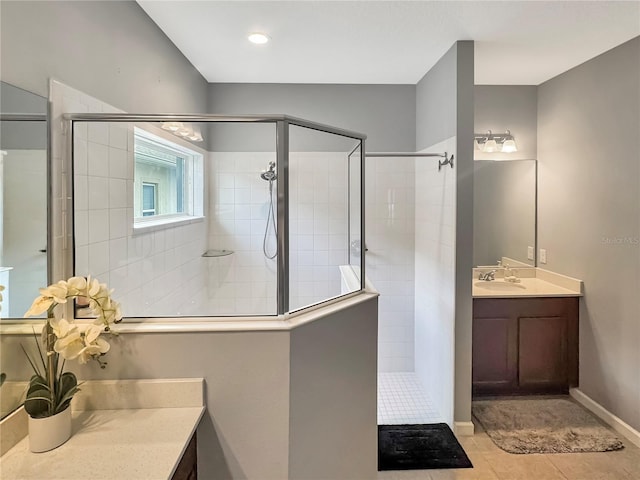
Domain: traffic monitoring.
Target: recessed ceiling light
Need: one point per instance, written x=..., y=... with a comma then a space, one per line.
x=258, y=38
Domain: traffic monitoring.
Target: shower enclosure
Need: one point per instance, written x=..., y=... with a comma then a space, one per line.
x=213, y=215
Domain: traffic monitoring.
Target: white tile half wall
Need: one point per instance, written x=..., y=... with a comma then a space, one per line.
x=390, y=202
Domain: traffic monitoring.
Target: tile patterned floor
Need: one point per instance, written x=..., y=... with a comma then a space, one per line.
x=402, y=400
x=491, y=463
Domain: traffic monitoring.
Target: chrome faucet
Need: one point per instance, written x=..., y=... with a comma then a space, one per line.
x=488, y=276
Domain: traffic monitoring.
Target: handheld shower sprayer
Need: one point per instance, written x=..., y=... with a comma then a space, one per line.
x=270, y=176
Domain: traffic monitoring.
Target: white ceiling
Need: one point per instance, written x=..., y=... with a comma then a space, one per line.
x=516, y=42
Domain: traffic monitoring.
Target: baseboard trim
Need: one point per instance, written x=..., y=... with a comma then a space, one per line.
x=605, y=415
x=463, y=429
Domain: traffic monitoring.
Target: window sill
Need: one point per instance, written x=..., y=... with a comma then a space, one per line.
x=147, y=226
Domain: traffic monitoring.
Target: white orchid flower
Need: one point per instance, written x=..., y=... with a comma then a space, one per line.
x=93, y=345
x=57, y=291
x=40, y=305
x=71, y=344
x=93, y=287
x=77, y=285
x=61, y=328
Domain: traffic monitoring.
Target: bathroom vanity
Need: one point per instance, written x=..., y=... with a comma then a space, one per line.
x=525, y=335
x=143, y=429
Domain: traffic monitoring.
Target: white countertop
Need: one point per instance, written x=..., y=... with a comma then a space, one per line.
x=122, y=429
x=536, y=283
x=109, y=444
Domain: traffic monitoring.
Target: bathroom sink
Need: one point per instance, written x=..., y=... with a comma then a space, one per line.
x=500, y=286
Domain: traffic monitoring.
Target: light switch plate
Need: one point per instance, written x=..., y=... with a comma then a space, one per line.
x=529, y=253
x=543, y=255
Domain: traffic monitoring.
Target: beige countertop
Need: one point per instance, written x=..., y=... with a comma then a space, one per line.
x=534, y=282
x=122, y=429
x=107, y=444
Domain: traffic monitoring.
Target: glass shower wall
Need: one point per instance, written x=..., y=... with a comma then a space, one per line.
x=139, y=215
x=242, y=241
x=182, y=218
x=319, y=212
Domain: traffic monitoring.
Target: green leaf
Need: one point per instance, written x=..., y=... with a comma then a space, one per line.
x=33, y=366
x=67, y=382
x=37, y=383
x=65, y=401
x=37, y=403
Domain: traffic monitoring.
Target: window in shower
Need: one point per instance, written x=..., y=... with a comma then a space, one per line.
x=149, y=199
x=164, y=189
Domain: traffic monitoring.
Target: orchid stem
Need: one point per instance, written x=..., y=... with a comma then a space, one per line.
x=51, y=359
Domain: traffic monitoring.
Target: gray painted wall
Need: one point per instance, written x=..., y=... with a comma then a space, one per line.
x=334, y=362
x=464, y=229
x=514, y=107
x=444, y=109
x=22, y=135
x=385, y=113
x=108, y=49
x=589, y=214
x=436, y=102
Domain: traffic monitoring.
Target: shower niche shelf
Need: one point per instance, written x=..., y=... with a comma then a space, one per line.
x=217, y=253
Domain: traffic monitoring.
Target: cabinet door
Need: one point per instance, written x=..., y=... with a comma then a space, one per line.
x=542, y=353
x=494, y=355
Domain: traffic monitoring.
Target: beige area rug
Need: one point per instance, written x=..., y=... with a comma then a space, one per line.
x=543, y=426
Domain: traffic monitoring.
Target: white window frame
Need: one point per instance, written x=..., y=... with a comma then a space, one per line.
x=193, y=184
x=155, y=198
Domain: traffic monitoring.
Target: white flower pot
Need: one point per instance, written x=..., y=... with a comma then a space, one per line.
x=49, y=432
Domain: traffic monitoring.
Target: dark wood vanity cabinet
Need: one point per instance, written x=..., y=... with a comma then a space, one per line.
x=525, y=345
x=187, y=469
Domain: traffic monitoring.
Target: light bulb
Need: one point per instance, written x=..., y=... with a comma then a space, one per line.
x=258, y=38
x=172, y=126
x=490, y=146
x=509, y=146
x=184, y=132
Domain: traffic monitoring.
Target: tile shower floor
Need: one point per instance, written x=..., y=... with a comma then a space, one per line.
x=403, y=400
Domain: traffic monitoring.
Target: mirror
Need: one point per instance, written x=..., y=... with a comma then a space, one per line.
x=504, y=212
x=23, y=214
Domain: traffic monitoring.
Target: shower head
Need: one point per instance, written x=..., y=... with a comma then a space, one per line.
x=269, y=175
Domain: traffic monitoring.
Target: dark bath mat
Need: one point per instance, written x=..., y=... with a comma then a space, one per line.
x=417, y=447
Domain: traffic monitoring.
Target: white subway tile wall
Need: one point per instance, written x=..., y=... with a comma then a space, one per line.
x=435, y=279
x=245, y=282
x=155, y=273
x=318, y=223
x=390, y=209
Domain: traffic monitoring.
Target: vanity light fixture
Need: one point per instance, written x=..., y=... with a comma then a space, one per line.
x=498, y=142
x=258, y=38
x=195, y=135
x=172, y=126
x=185, y=130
